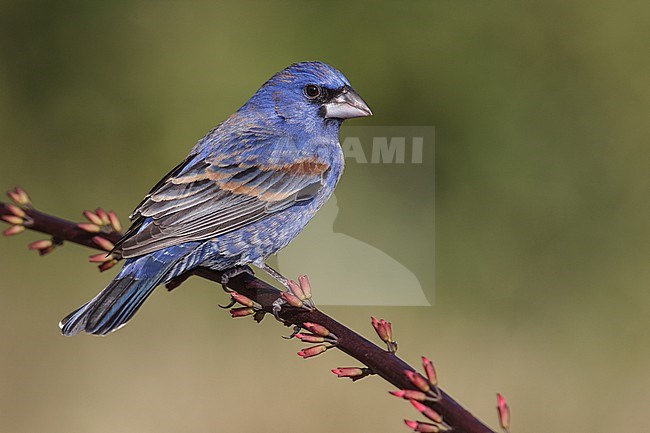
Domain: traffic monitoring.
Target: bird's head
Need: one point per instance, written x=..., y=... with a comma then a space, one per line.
x=309, y=94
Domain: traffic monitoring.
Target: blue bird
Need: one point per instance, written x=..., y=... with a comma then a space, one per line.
x=245, y=191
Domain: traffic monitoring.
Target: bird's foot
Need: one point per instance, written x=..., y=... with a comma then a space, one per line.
x=295, y=331
x=298, y=295
x=275, y=275
x=277, y=307
x=230, y=273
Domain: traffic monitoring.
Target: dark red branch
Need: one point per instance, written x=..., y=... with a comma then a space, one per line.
x=60, y=229
x=381, y=362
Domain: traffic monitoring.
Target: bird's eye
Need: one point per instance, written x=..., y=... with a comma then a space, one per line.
x=312, y=91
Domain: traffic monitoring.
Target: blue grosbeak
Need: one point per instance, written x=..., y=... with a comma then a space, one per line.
x=245, y=191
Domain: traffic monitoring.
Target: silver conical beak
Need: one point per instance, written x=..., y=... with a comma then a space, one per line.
x=347, y=105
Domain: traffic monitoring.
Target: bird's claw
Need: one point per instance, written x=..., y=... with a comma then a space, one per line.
x=297, y=295
x=277, y=306
x=295, y=331
x=231, y=273
x=229, y=305
x=309, y=304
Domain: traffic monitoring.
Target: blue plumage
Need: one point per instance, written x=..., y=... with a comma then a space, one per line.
x=244, y=192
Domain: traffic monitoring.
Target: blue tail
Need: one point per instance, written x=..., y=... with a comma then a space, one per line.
x=119, y=301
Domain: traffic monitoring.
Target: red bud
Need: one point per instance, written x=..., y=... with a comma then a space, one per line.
x=13, y=219
x=101, y=213
x=296, y=290
x=241, y=312
x=115, y=221
x=40, y=245
x=305, y=285
x=93, y=218
x=90, y=228
x=316, y=329
x=103, y=243
x=312, y=351
x=418, y=380
x=15, y=210
x=291, y=299
x=422, y=426
x=430, y=370
x=310, y=338
x=427, y=411
x=504, y=412
x=241, y=299
x=19, y=196
x=348, y=372
x=409, y=394
x=384, y=330
x=13, y=230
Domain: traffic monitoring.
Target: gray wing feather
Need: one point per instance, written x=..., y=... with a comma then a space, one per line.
x=207, y=201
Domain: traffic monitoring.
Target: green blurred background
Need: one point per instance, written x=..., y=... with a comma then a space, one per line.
x=541, y=113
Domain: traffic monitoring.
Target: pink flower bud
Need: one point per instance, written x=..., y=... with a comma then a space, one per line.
x=90, y=228
x=101, y=213
x=504, y=412
x=13, y=195
x=15, y=210
x=383, y=329
x=103, y=243
x=19, y=196
x=388, y=329
x=411, y=424
x=348, y=372
x=40, y=245
x=24, y=198
x=422, y=426
x=312, y=351
x=291, y=299
x=13, y=230
x=241, y=299
x=241, y=312
x=316, y=329
x=427, y=411
x=13, y=219
x=296, y=290
x=418, y=380
x=310, y=338
x=430, y=370
x=115, y=221
x=93, y=218
x=409, y=394
x=305, y=285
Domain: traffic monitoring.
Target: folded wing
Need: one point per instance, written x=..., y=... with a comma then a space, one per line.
x=201, y=199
